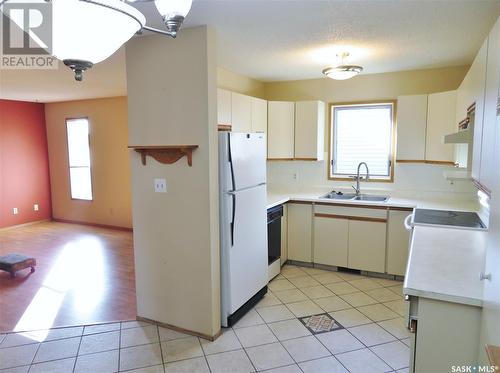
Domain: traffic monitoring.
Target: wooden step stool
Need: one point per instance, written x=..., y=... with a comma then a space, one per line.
x=16, y=262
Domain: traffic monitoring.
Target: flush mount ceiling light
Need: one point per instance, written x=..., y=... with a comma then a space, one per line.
x=343, y=71
x=86, y=32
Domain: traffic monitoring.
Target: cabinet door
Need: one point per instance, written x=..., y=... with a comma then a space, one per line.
x=488, y=167
x=284, y=236
x=259, y=115
x=309, y=130
x=398, y=241
x=441, y=111
x=241, y=113
x=299, y=232
x=330, y=241
x=475, y=82
x=412, y=122
x=223, y=107
x=280, y=130
x=367, y=245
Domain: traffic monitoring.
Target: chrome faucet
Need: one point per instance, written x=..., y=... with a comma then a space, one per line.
x=357, y=188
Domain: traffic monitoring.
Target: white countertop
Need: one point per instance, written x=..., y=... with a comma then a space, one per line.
x=444, y=264
x=275, y=198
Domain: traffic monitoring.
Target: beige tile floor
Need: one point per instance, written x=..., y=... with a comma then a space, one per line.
x=268, y=338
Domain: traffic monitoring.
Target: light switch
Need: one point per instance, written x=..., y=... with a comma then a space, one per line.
x=35, y=207
x=15, y=211
x=160, y=186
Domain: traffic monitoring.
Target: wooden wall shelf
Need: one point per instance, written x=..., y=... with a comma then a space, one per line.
x=166, y=154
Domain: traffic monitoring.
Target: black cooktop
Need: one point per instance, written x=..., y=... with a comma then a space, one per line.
x=453, y=218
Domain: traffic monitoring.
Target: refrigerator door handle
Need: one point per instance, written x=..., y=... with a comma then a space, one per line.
x=233, y=196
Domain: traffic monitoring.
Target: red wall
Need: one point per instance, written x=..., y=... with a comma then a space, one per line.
x=24, y=164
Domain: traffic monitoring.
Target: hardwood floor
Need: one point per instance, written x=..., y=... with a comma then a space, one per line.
x=84, y=275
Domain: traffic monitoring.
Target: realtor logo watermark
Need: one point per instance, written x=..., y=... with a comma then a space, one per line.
x=27, y=36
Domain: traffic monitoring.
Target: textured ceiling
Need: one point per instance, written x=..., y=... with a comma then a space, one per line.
x=286, y=40
x=289, y=40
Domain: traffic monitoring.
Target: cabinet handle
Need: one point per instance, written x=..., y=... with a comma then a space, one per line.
x=407, y=223
x=412, y=326
x=483, y=276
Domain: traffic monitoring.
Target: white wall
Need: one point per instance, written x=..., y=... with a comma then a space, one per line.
x=418, y=180
x=172, y=101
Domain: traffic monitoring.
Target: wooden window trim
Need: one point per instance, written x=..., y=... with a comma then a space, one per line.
x=392, y=156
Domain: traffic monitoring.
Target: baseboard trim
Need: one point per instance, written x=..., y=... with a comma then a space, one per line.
x=24, y=224
x=97, y=225
x=181, y=330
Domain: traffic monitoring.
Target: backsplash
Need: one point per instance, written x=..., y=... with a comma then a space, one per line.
x=416, y=180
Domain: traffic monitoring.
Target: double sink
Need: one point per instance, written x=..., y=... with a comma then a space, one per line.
x=354, y=197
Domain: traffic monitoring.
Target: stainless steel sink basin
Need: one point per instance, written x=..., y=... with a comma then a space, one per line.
x=353, y=197
x=339, y=196
x=371, y=198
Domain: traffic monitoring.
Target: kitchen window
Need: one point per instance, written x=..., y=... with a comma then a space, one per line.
x=79, y=158
x=362, y=132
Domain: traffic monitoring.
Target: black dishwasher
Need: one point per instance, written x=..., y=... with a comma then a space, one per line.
x=274, y=215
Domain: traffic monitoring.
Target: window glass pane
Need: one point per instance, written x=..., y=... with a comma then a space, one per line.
x=79, y=158
x=81, y=185
x=78, y=142
x=362, y=134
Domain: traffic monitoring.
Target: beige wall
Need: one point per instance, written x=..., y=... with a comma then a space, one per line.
x=109, y=157
x=176, y=234
x=368, y=87
x=239, y=83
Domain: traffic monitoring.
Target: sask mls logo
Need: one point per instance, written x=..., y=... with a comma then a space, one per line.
x=26, y=35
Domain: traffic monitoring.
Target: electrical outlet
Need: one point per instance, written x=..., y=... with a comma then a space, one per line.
x=295, y=176
x=35, y=207
x=160, y=186
x=15, y=211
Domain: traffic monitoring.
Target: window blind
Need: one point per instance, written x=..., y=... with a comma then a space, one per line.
x=362, y=133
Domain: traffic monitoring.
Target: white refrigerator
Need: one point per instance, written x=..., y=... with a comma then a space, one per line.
x=243, y=222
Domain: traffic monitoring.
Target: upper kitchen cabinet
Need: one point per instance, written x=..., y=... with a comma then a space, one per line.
x=487, y=165
x=281, y=130
x=412, y=123
x=296, y=130
x=223, y=107
x=441, y=112
x=241, y=114
x=259, y=115
x=423, y=121
x=309, y=130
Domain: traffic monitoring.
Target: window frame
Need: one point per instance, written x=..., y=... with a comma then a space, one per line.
x=90, y=160
x=331, y=142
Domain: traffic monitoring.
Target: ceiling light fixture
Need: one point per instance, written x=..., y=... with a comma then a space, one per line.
x=343, y=71
x=78, y=37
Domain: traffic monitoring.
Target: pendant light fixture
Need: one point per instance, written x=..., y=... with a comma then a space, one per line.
x=173, y=13
x=343, y=71
x=89, y=31
x=86, y=32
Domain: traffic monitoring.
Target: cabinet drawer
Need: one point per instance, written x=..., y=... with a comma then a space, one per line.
x=375, y=212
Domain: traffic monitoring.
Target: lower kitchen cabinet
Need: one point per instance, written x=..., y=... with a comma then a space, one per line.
x=284, y=235
x=330, y=240
x=367, y=245
x=398, y=240
x=352, y=237
x=445, y=334
x=299, y=217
